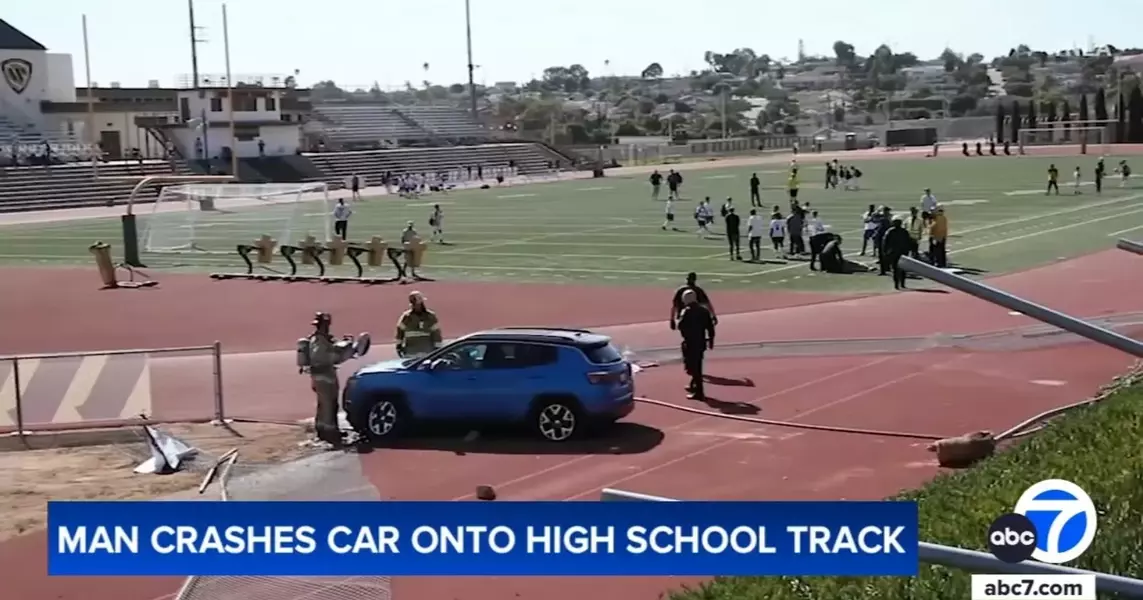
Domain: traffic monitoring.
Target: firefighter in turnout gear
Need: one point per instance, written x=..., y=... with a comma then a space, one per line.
x=320, y=360
x=418, y=330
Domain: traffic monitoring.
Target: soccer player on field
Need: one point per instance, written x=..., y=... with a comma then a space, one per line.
x=1077, y=180
x=1053, y=180
x=1124, y=173
x=656, y=181
x=436, y=221
x=670, y=216
x=704, y=217
x=792, y=184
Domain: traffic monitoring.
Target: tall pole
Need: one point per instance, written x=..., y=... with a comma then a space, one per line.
x=92, y=138
x=194, y=45
x=471, y=66
x=229, y=94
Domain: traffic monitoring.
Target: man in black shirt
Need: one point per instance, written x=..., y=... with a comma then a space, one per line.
x=696, y=325
x=732, y=222
x=656, y=180
x=674, y=180
x=755, y=196
x=896, y=244
x=701, y=297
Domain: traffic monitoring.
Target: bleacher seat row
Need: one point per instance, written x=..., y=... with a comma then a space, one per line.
x=371, y=165
x=358, y=123
x=74, y=185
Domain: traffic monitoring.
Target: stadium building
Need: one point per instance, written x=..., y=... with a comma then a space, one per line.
x=66, y=147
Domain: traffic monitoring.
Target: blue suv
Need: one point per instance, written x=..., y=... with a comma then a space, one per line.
x=556, y=382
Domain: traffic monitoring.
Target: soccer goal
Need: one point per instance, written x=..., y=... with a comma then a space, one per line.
x=1093, y=139
x=213, y=218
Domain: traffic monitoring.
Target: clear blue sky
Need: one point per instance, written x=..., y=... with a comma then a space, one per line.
x=359, y=42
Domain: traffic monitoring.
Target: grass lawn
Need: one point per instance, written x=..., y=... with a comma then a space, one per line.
x=608, y=230
x=1096, y=447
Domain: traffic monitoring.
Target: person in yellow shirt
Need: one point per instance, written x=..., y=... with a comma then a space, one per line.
x=915, y=225
x=938, y=235
x=793, y=184
x=1053, y=180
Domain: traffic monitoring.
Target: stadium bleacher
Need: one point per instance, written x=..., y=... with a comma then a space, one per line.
x=74, y=185
x=371, y=165
x=352, y=124
x=444, y=121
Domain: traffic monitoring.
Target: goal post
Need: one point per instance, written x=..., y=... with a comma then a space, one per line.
x=203, y=218
x=1097, y=138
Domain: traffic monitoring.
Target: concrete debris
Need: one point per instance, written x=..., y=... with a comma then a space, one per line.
x=485, y=492
x=168, y=453
x=964, y=450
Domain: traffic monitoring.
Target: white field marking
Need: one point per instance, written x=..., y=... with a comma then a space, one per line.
x=1043, y=190
x=595, y=189
x=525, y=240
x=1123, y=231
x=1052, y=230
x=720, y=176
x=419, y=204
x=509, y=196
x=575, y=270
x=1049, y=382
x=1005, y=223
x=966, y=202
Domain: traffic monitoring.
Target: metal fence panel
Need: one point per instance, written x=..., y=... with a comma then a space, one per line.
x=40, y=392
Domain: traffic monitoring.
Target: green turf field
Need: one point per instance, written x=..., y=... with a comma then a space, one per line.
x=608, y=230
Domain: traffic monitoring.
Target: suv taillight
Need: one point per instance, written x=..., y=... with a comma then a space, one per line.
x=610, y=377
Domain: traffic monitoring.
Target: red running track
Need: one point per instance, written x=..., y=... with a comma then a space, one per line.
x=694, y=456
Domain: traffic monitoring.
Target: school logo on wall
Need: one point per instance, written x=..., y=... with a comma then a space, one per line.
x=18, y=74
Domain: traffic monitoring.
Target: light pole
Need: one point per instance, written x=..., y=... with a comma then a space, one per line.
x=471, y=67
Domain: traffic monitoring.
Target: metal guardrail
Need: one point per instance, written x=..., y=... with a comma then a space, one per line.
x=70, y=383
x=958, y=558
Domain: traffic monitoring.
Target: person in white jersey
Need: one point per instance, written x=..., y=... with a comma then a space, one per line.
x=1077, y=181
x=704, y=217
x=669, y=213
x=814, y=224
x=436, y=221
x=341, y=214
x=868, y=229
x=777, y=232
x=755, y=228
x=928, y=205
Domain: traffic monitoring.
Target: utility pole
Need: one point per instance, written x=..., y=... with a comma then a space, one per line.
x=195, y=41
x=471, y=66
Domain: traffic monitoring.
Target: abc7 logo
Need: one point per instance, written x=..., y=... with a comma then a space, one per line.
x=1012, y=538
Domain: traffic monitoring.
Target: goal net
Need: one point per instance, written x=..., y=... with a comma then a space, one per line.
x=1093, y=140
x=212, y=218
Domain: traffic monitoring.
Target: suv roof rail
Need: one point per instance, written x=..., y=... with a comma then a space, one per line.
x=541, y=328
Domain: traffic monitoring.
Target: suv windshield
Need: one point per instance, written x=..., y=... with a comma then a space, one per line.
x=603, y=354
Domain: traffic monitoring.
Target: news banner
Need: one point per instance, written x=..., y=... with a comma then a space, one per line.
x=303, y=539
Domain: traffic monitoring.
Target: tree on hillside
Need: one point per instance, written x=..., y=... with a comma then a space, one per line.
x=653, y=71
x=1135, y=122
x=1121, y=121
x=1049, y=112
x=1066, y=118
x=741, y=61
x=952, y=61
x=844, y=56
x=1015, y=123
x=1100, y=107
x=1083, y=112
x=566, y=79
x=999, y=123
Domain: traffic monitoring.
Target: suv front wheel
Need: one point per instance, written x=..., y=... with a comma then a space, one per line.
x=557, y=419
x=385, y=418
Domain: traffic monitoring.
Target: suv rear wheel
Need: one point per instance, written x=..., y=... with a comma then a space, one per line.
x=557, y=419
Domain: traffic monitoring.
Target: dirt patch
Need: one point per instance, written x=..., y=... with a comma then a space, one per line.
x=29, y=479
